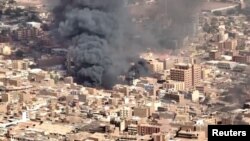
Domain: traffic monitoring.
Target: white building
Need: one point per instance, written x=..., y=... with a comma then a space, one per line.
x=195, y=96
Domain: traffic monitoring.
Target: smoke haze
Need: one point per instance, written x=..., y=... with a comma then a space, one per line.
x=104, y=40
x=169, y=21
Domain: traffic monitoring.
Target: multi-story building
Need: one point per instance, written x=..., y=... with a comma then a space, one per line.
x=174, y=85
x=230, y=44
x=196, y=74
x=241, y=59
x=147, y=129
x=226, y=65
x=156, y=66
x=214, y=54
x=205, y=73
x=202, y=88
x=3, y=107
x=20, y=64
x=183, y=73
x=159, y=137
x=221, y=46
x=26, y=33
x=126, y=113
x=5, y=38
x=190, y=74
x=132, y=129
x=174, y=96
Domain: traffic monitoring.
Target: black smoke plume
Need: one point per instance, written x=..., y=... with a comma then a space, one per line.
x=139, y=69
x=104, y=40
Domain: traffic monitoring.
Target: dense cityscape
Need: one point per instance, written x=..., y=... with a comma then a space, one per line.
x=65, y=74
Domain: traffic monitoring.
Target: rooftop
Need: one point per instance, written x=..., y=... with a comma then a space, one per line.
x=54, y=128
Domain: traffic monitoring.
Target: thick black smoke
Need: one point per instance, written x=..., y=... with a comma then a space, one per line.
x=140, y=68
x=104, y=40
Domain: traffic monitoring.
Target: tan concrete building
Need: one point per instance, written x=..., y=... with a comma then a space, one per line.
x=126, y=113
x=202, y=89
x=49, y=92
x=214, y=54
x=147, y=129
x=196, y=74
x=142, y=112
x=122, y=89
x=241, y=59
x=159, y=137
x=205, y=73
x=175, y=96
x=69, y=80
x=156, y=66
x=38, y=76
x=230, y=44
x=14, y=82
x=187, y=73
x=20, y=65
x=82, y=97
x=25, y=97
x=26, y=33
x=174, y=85
x=3, y=107
x=183, y=73
x=6, y=97
x=221, y=46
